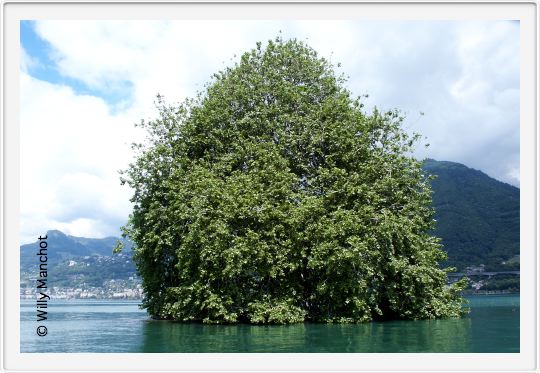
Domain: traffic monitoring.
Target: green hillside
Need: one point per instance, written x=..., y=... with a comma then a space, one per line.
x=63, y=247
x=78, y=262
x=477, y=217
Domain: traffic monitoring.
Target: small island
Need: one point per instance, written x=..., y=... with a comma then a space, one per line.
x=274, y=197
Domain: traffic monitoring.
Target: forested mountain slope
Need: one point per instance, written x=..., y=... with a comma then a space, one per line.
x=477, y=216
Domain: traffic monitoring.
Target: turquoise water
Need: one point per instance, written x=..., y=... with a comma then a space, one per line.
x=120, y=326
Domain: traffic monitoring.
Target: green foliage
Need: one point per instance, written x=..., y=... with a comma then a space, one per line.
x=477, y=217
x=273, y=197
x=502, y=283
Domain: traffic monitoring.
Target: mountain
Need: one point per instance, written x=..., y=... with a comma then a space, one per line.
x=80, y=267
x=62, y=247
x=477, y=217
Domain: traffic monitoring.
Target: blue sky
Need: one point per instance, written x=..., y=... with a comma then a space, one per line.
x=45, y=68
x=85, y=83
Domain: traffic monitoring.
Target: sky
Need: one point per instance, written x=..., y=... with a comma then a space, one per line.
x=84, y=84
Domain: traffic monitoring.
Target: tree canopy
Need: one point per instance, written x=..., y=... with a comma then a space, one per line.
x=274, y=197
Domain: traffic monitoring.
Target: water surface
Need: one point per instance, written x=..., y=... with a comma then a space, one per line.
x=120, y=326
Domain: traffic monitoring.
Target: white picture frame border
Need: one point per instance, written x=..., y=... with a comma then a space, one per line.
x=524, y=11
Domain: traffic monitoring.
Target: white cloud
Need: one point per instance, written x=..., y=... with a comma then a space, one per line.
x=463, y=75
x=71, y=150
x=172, y=58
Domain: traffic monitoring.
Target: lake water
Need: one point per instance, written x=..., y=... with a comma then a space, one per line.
x=120, y=326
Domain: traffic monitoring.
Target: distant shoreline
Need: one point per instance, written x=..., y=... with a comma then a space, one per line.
x=122, y=298
x=489, y=292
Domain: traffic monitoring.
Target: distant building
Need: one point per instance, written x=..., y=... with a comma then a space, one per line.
x=475, y=269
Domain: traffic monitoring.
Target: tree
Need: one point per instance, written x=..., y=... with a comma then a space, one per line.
x=273, y=197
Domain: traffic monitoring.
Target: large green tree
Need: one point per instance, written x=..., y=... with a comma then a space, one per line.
x=273, y=197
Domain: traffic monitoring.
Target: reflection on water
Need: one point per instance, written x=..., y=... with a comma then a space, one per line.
x=492, y=326
x=394, y=336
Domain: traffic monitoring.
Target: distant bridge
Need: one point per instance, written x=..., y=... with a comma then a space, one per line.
x=487, y=274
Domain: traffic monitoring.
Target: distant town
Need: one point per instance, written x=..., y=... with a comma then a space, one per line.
x=85, y=277
x=112, y=289
x=487, y=282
